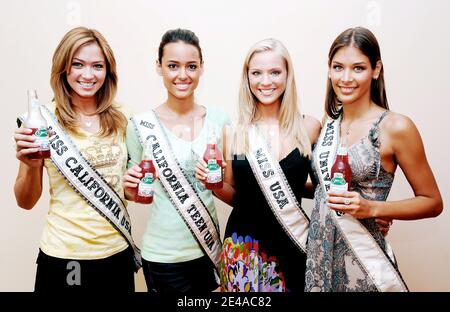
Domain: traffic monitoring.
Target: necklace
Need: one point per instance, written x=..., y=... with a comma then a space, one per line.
x=363, y=118
x=88, y=121
x=347, y=131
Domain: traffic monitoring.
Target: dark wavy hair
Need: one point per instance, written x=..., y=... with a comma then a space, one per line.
x=364, y=40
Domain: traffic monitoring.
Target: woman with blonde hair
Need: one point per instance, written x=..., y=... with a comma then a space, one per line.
x=86, y=243
x=267, y=155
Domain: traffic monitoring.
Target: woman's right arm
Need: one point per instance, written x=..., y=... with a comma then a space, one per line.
x=226, y=193
x=28, y=186
x=132, y=176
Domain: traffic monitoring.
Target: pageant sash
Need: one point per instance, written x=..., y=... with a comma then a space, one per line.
x=181, y=193
x=87, y=182
x=376, y=262
x=277, y=191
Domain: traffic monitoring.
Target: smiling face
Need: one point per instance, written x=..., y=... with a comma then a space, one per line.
x=87, y=71
x=181, y=68
x=351, y=75
x=267, y=76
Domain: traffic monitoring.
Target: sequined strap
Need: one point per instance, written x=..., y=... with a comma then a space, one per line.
x=385, y=113
x=374, y=132
x=374, y=138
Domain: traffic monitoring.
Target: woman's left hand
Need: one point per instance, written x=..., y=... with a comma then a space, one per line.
x=383, y=225
x=351, y=203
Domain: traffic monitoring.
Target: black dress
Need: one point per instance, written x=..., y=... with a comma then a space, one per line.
x=258, y=255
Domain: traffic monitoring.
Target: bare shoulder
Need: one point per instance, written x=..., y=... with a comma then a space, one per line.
x=399, y=126
x=313, y=127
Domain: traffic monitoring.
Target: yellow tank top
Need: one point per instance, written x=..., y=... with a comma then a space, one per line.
x=73, y=229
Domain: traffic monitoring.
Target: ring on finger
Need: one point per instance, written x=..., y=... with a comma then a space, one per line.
x=347, y=201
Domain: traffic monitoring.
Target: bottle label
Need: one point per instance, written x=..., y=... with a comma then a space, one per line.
x=145, y=188
x=214, y=172
x=338, y=184
x=338, y=187
x=41, y=138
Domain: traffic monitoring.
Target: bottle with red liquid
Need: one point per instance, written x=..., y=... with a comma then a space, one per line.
x=341, y=173
x=145, y=189
x=37, y=123
x=213, y=159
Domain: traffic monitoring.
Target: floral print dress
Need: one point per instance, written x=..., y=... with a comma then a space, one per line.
x=258, y=256
x=331, y=264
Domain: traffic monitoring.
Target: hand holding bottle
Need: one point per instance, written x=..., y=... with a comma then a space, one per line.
x=38, y=125
x=138, y=180
x=212, y=159
x=201, y=169
x=25, y=146
x=340, y=198
x=351, y=203
x=131, y=180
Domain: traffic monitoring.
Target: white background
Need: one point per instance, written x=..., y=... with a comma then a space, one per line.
x=414, y=38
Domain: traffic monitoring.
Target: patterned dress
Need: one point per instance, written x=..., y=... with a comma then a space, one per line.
x=258, y=255
x=331, y=264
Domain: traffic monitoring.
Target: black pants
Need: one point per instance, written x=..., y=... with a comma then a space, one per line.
x=197, y=275
x=112, y=274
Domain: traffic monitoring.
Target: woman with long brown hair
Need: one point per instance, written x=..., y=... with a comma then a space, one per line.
x=82, y=246
x=346, y=250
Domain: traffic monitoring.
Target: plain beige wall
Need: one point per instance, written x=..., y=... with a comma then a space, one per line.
x=414, y=38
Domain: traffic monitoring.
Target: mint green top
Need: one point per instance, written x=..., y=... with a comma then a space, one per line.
x=167, y=239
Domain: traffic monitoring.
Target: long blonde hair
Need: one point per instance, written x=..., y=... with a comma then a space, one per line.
x=289, y=117
x=112, y=120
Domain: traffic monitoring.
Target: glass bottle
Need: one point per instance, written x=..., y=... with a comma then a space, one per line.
x=341, y=173
x=213, y=159
x=145, y=189
x=37, y=123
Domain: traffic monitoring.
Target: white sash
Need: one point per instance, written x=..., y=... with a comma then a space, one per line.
x=181, y=193
x=87, y=182
x=277, y=191
x=377, y=264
